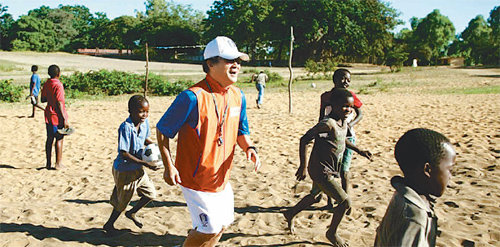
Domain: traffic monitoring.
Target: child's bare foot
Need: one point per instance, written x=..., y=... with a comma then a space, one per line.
x=289, y=221
x=59, y=166
x=132, y=217
x=335, y=239
x=109, y=229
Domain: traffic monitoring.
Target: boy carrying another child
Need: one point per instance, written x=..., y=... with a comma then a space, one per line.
x=426, y=158
x=128, y=172
x=342, y=79
x=329, y=145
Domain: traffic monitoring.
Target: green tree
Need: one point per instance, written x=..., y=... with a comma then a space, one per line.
x=430, y=37
x=476, y=40
x=81, y=23
x=98, y=31
x=121, y=31
x=243, y=21
x=6, y=22
x=34, y=34
x=494, y=21
x=167, y=24
x=44, y=29
x=323, y=29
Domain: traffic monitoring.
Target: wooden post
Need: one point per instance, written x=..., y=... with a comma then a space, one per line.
x=290, y=108
x=147, y=72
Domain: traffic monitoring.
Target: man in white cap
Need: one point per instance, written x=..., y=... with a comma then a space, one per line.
x=210, y=118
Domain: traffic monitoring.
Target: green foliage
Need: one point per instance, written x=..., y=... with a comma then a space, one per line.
x=104, y=82
x=476, y=45
x=326, y=67
x=158, y=86
x=395, y=58
x=166, y=24
x=6, y=22
x=494, y=52
x=7, y=66
x=33, y=33
x=489, y=89
x=10, y=92
x=430, y=37
x=322, y=28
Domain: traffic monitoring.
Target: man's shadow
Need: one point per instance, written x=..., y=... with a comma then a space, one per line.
x=94, y=236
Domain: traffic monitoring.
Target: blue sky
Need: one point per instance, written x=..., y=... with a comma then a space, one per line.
x=460, y=12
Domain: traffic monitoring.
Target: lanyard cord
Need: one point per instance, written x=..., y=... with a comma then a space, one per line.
x=220, y=122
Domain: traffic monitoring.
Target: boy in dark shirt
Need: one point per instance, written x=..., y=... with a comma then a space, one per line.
x=329, y=144
x=426, y=158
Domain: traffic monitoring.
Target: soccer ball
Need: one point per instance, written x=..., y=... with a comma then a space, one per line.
x=313, y=85
x=152, y=154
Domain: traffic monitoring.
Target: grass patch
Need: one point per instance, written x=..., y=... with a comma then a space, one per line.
x=379, y=85
x=492, y=89
x=7, y=66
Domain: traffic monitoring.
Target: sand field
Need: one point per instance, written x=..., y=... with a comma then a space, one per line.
x=68, y=207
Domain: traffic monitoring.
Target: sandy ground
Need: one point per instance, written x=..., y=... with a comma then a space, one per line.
x=68, y=207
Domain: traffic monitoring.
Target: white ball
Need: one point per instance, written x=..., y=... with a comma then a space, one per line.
x=313, y=85
x=152, y=154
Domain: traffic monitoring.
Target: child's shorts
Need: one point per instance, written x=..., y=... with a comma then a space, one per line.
x=347, y=156
x=126, y=183
x=52, y=131
x=210, y=211
x=34, y=99
x=327, y=184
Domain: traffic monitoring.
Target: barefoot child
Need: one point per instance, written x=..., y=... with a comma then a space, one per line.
x=342, y=79
x=330, y=142
x=34, y=90
x=56, y=118
x=426, y=158
x=128, y=171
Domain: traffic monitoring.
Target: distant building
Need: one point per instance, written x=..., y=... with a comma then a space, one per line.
x=98, y=52
x=452, y=61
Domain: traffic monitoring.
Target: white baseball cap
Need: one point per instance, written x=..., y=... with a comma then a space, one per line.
x=223, y=47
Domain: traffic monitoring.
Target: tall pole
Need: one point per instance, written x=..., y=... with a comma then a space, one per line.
x=147, y=72
x=290, y=108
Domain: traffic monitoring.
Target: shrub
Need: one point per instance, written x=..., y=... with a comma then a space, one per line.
x=104, y=82
x=10, y=92
x=326, y=67
x=158, y=86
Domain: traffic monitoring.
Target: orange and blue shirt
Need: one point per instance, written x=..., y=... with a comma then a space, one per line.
x=196, y=115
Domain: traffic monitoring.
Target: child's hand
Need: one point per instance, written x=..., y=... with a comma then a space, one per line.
x=366, y=154
x=152, y=165
x=301, y=173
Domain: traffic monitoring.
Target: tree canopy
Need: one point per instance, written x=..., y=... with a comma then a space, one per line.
x=324, y=31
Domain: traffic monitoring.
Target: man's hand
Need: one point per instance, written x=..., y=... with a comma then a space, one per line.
x=171, y=175
x=254, y=157
x=301, y=173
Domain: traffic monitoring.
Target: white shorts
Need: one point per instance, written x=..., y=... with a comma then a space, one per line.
x=210, y=211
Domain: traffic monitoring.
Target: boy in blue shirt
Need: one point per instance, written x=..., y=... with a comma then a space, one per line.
x=34, y=89
x=128, y=171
